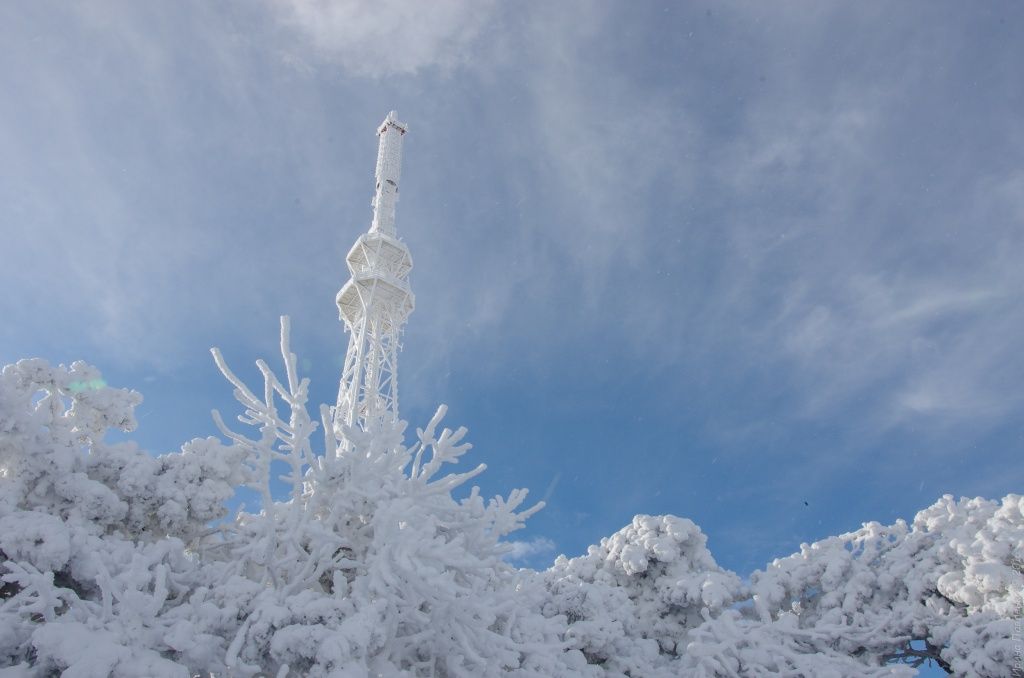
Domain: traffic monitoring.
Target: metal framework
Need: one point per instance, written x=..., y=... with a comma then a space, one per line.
x=376, y=301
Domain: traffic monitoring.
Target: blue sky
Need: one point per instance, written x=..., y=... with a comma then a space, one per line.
x=756, y=264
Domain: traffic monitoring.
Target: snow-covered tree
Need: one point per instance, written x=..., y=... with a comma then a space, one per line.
x=631, y=601
x=115, y=562
x=945, y=589
x=371, y=566
x=93, y=536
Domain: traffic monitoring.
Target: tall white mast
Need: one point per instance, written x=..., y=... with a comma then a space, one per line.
x=376, y=301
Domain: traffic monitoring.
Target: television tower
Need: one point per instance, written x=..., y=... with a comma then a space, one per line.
x=376, y=300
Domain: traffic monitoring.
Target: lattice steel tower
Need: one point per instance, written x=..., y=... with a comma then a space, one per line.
x=377, y=299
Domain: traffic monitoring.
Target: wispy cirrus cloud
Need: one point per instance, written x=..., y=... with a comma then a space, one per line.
x=783, y=214
x=146, y=168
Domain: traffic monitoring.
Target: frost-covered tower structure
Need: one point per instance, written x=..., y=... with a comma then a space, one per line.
x=376, y=300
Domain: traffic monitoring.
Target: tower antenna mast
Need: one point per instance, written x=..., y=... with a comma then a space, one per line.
x=376, y=301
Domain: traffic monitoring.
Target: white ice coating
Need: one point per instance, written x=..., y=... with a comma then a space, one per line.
x=389, y=168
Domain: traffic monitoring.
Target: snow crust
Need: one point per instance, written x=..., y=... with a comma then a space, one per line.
x=118, y=563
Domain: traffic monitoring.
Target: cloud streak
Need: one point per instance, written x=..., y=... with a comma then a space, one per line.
x=798, y=235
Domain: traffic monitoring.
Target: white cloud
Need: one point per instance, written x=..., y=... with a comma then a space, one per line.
x=522, y=550
x=143, y=202
x=381, y=37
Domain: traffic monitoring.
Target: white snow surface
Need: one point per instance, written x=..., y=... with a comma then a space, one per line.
x=118, y=563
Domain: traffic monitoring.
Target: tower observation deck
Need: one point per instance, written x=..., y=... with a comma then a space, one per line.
x=376, y=301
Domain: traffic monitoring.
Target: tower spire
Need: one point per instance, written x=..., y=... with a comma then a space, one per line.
x=376, y=301
x=389, y=168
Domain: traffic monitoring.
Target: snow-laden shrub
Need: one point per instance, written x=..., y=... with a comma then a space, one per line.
x=944, y=589
x=371, y=566
x=85, y=589
x=632, y=600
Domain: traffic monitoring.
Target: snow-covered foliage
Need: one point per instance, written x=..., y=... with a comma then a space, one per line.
x=949, y=587
x=93, y=535
x=115, y=562
x=631, y=601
